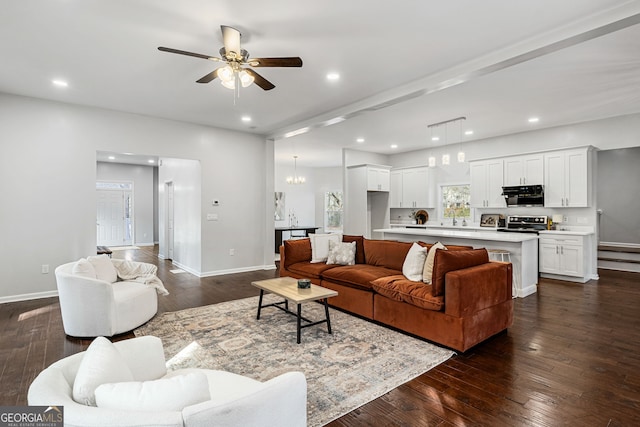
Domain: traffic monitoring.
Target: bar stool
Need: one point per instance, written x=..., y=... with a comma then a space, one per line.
x=505, y=256
x=499, y=255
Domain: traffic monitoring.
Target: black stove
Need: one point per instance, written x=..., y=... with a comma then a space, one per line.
x=525, y=224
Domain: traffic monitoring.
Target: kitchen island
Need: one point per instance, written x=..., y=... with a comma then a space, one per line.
x=523, y=248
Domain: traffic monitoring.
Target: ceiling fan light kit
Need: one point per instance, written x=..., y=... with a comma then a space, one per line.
x=234, y=74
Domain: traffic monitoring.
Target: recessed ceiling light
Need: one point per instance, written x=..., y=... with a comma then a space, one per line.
x=394, y=145
x=333, y=77
x=534, y=120
x=151, y=161
x=112, y=158
x=468, y=132
x=246, y=119
x=360, y=140
x=60, y=83
x=435, y=138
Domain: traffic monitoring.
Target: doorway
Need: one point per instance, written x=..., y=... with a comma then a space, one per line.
x=114, y=214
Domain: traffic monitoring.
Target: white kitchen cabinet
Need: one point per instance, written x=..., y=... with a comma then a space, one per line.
x=410, y=188
x=524, y=170
x=377, y=178
x=563, y=255
x=566, y=179
x=486, y=183
x=395, y=189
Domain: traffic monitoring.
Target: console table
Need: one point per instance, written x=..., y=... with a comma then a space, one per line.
x=279, y=231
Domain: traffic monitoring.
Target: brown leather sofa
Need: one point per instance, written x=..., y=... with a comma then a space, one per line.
x=468, y=302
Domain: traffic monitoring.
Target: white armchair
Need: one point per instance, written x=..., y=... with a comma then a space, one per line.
x=235, y=400
x=94, y=304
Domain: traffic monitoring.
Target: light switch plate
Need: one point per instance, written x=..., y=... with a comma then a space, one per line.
x=212, y=217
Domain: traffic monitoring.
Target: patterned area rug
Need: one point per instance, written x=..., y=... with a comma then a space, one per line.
x=359, y=362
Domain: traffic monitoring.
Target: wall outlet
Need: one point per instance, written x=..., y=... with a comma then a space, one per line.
x=45, y=268
x=565, y=219
x=232, y=252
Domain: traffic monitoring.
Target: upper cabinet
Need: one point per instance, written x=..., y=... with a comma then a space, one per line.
x=486, y=183
x=566, y=178
x=410, y=188
x=378, y=178
x=524, y=170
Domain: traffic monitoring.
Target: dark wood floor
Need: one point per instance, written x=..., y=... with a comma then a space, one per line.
x=572, y=356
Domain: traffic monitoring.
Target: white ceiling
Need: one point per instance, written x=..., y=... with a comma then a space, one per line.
x=428, y=60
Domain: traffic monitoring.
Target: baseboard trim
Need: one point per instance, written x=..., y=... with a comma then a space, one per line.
x=237, y=270
x=27, y=297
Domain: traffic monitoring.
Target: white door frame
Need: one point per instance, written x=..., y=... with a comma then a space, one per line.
x=169, y=221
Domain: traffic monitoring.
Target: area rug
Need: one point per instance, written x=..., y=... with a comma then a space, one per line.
x=358, y=363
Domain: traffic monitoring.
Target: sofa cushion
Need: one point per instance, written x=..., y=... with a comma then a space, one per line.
x=165, y=394
x=357, y=276
x=450, y=260
x=427, y=272
x=320, y=246
x=386, y=253
x=360, y=259
x=310, y=270
x=414, y=262
x=105, y=270
x=342, y=253
x=296, y=251
x=83, y=268
x=398, y=288
x=102, y=363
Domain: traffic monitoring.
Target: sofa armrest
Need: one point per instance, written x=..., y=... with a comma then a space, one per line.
x=282, y=269
x=281, y=401
x=472, y=289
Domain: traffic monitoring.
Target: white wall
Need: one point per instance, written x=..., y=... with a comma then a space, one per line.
x=299, y=198
x=185, y=177
x=48, y=171
x=143, y=195
x=327, y=179
x=306, y=200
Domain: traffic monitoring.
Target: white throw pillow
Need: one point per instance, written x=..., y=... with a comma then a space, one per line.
x=165, y=394
x=102, y=363
x=414, y=263
x=342, y=253
x=428, y=265
x=83, y=268
x=320, y=245
x=105, y=269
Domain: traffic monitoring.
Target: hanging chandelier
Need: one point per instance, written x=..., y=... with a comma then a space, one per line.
x=295, y=179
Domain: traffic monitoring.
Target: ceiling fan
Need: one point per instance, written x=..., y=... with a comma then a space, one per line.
x=234, y=73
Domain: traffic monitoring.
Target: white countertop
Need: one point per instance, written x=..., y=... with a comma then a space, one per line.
x=495, y=236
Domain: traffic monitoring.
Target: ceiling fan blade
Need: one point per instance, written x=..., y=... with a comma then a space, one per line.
x=184, y=52
x=259, y=80
x=231, y=39
x=293, y=61
x=206, y=79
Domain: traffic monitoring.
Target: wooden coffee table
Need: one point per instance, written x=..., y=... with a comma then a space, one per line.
x=287, y=288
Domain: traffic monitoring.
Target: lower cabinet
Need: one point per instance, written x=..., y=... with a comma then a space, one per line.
x=563, y=256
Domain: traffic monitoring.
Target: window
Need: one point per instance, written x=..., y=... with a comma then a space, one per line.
x=333, y=209
x=456, y=201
